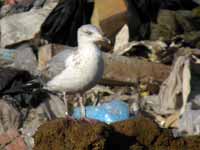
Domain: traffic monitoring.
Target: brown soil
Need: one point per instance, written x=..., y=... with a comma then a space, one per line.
x=62, y=134
x=133, y=134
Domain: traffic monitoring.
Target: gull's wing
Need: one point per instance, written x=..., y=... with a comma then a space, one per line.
x=58, y=63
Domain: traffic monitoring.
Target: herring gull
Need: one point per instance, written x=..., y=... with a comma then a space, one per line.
x=83, y=67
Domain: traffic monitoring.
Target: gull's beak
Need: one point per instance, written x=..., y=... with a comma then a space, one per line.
x=104, y=40
x=104, y=43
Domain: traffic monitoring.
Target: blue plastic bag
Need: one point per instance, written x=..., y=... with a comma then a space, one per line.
x=113, y=111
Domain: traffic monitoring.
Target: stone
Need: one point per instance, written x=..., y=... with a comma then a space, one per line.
x=22, y=27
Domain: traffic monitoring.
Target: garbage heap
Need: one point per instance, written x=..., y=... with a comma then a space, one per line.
x=151, y=68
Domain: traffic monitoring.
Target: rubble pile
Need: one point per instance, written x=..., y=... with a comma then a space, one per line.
x=152, y=65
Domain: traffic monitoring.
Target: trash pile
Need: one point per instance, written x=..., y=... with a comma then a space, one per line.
x=148, y=97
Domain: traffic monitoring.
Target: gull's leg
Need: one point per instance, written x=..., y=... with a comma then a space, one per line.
x=66, y=104
x=82, y=107
x=68, y=117
x=83, y=112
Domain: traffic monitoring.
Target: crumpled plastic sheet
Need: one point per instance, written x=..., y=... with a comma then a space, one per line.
x=179, y=93
x=174, y=91
x=189, y=123
x=111, y=112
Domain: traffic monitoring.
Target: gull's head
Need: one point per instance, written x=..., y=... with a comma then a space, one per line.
x=91, y=34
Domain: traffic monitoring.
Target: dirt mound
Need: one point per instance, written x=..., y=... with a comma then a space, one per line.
x=134, y=134
x=62, y=134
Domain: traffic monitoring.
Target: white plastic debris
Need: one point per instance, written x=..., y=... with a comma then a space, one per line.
x=174, y=91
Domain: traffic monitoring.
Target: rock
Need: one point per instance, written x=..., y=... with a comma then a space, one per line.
x=11, y=140
x=10, y=117
x=110, y=15
x=23, y=26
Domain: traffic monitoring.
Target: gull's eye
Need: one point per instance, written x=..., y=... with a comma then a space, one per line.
x=88, y=32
